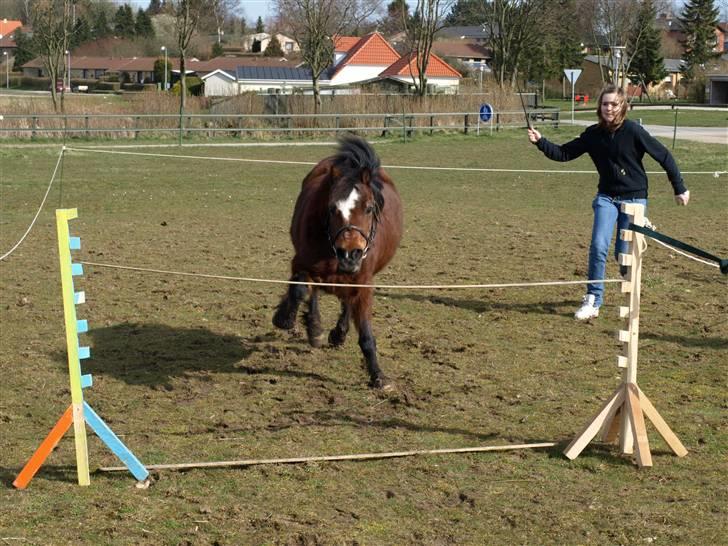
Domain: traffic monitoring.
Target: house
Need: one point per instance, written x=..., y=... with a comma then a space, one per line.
x=258, y=43
x=473, y=55
x=475, y=34
x=717, y=89
x=129, y=70
x=7, y=43
x=440, y=75
x=369, y=60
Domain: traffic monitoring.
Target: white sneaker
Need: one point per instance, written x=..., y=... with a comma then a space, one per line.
x=587, y=309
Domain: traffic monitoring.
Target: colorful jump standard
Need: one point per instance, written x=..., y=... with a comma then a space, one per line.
x=79, y=412
x=623, y=414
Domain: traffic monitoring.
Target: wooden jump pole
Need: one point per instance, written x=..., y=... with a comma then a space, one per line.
x=622, y=415
x=354, y=457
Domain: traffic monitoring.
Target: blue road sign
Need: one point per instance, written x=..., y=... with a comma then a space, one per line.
x=486, y=112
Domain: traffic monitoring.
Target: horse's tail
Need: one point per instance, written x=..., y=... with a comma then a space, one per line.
x=356, y=155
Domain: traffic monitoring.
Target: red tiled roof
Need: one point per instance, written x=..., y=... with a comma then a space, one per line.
x=345, y=43
x=406, y=66
x=371, y=49
x=8, y=27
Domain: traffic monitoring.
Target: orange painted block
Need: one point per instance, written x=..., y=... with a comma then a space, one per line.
x=45, y=448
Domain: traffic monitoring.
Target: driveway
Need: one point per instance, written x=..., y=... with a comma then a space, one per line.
x=712, y=135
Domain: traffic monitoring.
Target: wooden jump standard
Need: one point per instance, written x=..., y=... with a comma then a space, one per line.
x=622, y=416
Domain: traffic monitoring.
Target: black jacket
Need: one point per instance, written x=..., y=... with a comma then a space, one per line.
x=618, y=158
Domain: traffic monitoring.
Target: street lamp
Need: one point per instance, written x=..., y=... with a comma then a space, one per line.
x=164, y=48
x=68, y=70
x=617, y=52
x=7, y=70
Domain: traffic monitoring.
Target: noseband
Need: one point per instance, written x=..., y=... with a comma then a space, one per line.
x=368, y=238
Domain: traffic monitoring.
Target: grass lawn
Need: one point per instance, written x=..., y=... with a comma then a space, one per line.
x=190, y=369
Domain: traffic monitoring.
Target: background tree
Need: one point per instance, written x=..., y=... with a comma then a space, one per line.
x=465, y=13
x=259, y=26
x=143, y=26
x=51, y=22
x=155, y=7
x=427, y=18
x=274, y=48
x=395, y=19
x=25, y=49
x=100, y=22
x=124, y=22
x=643, y=48
x=512, y=26
x=560, y=48
x=187, y=15
x=81, y=32
x=699, y=19
x=159, y=71
x=217, y=50
x=313, y=24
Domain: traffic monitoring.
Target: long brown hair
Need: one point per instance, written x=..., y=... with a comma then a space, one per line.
x=621, y=113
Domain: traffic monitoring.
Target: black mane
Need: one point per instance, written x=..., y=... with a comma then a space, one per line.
x=354, y=158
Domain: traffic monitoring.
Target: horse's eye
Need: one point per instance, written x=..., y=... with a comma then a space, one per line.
x=370, y=209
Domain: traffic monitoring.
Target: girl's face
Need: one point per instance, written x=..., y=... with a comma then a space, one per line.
x=609, y=107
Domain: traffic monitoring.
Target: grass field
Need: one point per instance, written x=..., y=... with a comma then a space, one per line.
x=190, y=369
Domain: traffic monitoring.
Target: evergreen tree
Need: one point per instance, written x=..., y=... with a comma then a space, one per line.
x=217, y=50
x=274, y=48
x=396, y=18
x=100, y=23
x=25, y=50
x=259, y=27
x=124, y=22
x=643, y=48
x=155, y=7
x=699, y=19
x=81, y=32
x=465, y=13
x=143, y=25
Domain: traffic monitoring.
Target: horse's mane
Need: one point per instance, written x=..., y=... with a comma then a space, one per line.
x=355, y=158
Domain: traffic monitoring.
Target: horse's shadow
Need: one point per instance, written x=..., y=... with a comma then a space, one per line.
x=564, y=308
x=153, y=354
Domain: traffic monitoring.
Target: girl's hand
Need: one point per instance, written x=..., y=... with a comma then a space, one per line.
x=683, y=198
x=534, y=136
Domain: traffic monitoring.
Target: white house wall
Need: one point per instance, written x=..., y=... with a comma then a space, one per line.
x=220, y=86
x=357, y=73
x=450, y=85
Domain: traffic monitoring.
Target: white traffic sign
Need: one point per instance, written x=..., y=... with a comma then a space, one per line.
x=572, y=74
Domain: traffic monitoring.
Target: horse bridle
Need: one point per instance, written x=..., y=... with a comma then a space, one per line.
x=368, y=238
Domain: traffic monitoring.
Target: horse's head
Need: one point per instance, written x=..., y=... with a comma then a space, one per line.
x=355, y=202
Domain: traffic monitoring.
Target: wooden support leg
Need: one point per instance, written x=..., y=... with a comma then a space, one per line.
x=592, y=428
x=667, y=434
x=45, y=448
x=610, y=430
x=637, y=421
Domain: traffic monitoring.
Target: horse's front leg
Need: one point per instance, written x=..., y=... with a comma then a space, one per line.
x=285, y=315
x=362, y=310
x=337, y=335
x=313, y=320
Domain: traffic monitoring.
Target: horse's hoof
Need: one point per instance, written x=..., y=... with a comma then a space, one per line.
x=383, y=384
x=283, y=321
x=316, y=341
x=336, y=339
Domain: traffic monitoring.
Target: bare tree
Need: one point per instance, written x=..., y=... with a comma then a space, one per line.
x=512, y=25
x=314, y=24
x=612, y=22
x=427, y=18
x=51, y=21
x=187, y=15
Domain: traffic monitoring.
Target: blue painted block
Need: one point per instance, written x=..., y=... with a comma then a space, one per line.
x=75, y=243
x=79, y=297
x=86, y=381
x=82, y=326
x=112, y=441
x=84, y=352
x=76, y=269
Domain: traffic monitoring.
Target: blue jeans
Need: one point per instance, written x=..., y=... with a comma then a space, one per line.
x=606, y=216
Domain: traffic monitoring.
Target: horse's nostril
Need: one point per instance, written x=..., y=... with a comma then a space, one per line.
x=341, y=254
x=356, y=254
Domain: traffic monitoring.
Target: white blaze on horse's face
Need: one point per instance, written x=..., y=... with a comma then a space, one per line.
x=345, y=206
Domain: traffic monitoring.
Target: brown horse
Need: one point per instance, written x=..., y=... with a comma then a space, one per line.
x=346, y=227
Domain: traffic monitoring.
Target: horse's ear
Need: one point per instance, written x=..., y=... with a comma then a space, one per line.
x=334, y=174
x=366, y=177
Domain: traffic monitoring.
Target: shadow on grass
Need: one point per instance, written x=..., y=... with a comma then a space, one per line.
x=60, y=473
x=152, y=354
x=563, y=308
x=696, y=341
